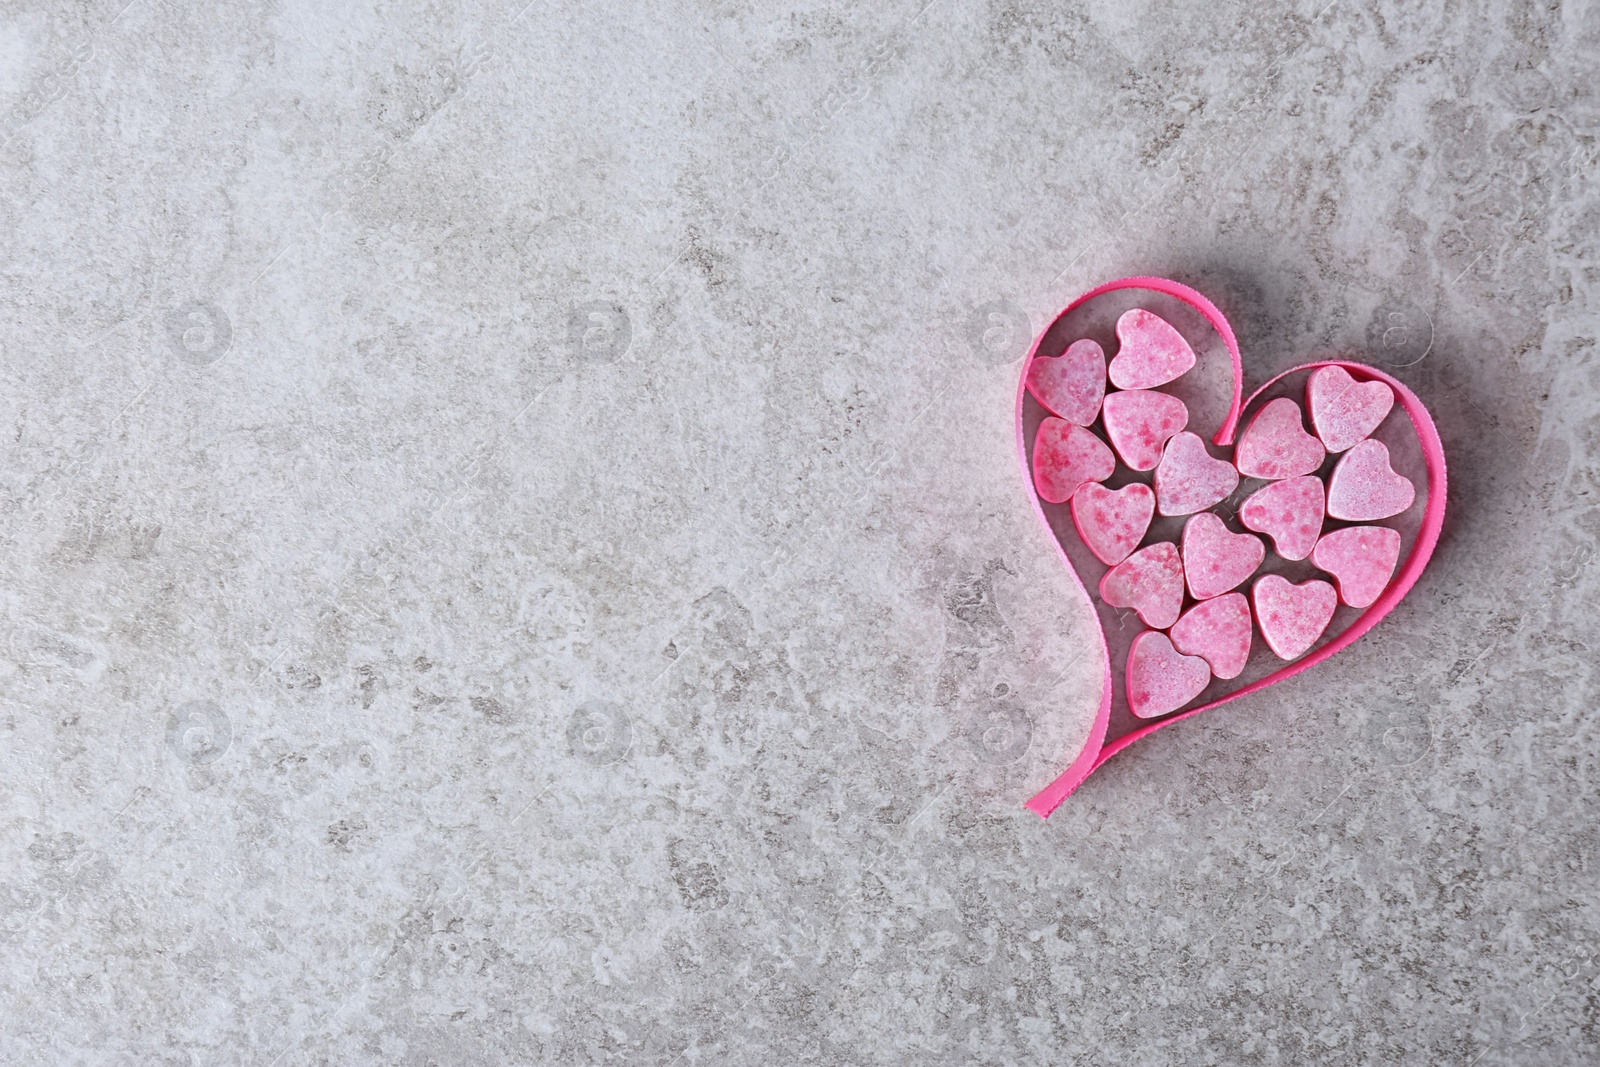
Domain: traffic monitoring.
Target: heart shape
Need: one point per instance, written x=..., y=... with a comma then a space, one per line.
x=1290, y=512
x=1140, y=422
x=1218, y=631
x=1190, y=479
x=1276, y=445
x=1303, y=618
x=1360, y=558
x=1150, y=353
x=1150, y=582
x=1112, y=522
x=1364, y=486
x=1072, y=384
x=1343, y=410
x=1160, y=678
x=1215, y=559
x=1291, y=616
x=1067, y=456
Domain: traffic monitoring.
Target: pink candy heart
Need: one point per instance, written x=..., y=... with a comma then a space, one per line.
x=1364, y=487
x=1189, y=479
x=1276, y=445
x=1292, y=617
x=1140, y=423
x=1218, y=631
x=1112, y=522
x=1161, y=679
x=1151, y=352
x=1072, y=384
x=1150, y=582
x=1216, y=559
x=1065, y=457
x=1290, y=512
x=1343, y=410
x=1361, y=559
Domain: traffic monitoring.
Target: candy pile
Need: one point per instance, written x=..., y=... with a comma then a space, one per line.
x=1199, y=627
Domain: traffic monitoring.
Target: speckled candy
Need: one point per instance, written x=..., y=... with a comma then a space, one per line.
x=1292, y=617
x=1160, y=679
x=1189, y=479
x=1065, y=457
x=1112, y=522
x=1150, y=582
x=1275, y=444
x=1365, y=487
x=1215, y=559
x=1218, y=631
x=1072, y=384
x=1361, y=560
x=1290, y=512
x=1344, y=411
x=1150, y=353
x=1140, y=423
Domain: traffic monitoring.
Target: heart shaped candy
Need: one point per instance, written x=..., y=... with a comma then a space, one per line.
x=1151, y=353
x=1072, y=384
x=1209, y=640
x=1112, y=522
x=1343, y=410
x=1290, y=512
x=1150, y=582
x=1065, y=457
x=1292, y=617
x=1364, y=486
x=1215, y=559
x=1276, y=445
x=1160, y=678
x=1140, y=422
x=1190, y=479
x=1217, y=631
x=1361, y=559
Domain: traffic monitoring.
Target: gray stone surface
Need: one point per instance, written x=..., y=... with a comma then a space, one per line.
x=513, y=550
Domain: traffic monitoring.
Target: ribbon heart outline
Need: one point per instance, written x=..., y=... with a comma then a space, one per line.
x=1095, y=751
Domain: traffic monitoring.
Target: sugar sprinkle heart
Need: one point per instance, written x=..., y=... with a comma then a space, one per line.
x=1365, y=487
x=1215, y=559
x=1071, y=385
x=1292, y=617
x=1190, y=479
x=1065, y=457
x=1290, y=512
x=1140, y=422
x=1217, y=631
x=1112, y=522
x=1150, y=351
x=1160, y=678
x=1275, y=444
x=1150, y=582
x=1344, y=411
x=1361, y=560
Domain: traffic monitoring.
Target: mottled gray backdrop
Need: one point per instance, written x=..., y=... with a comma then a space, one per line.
x=513, y=551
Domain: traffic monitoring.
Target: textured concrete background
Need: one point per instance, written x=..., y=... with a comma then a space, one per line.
x=513, y=550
